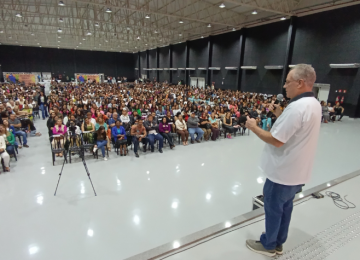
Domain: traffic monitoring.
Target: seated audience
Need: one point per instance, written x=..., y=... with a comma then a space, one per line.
x=182, y=129
x=165, y=131
x=214, y=127
x=227, y=124
x=119, y=135
x=193, y=126
x=339, y=111
x=152, y=128
x=205, y=125
x=138, y=133
x=13, y=121
x=59, y=132
x=101, y=141
x=4, y=155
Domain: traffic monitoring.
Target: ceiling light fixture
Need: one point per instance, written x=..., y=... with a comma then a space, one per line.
x=18, y=15
x=108, y=10
x=61, y=3
x=77, y=46
x=59, y=37
x=222, y=5
x=61, y=20
x=97, y=24
x=138, y=38
x=89, y=33
x=147, y=16
x=106, y=41
x=1, y=31
x=234, y=29
x=202, y=36
x=59, y=30
x=58, y=41
x=181, y=21
x=32, y=34
x=254, y=12
x=180, y=34
x=156, y=31
x=209, y=25
x=40, y=46
x=80, y=42
x=283, y=18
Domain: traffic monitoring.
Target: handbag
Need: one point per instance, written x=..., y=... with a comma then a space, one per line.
x=208, y=126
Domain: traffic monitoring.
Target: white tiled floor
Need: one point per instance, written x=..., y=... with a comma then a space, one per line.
x=308, y=219
x=141, y=203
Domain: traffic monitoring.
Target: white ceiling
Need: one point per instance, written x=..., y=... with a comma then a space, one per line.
x=85, y=24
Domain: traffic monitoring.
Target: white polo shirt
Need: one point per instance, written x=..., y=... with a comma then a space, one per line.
x=298, y=128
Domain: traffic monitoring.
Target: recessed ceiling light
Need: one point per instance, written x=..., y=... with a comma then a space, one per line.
x=59, y=37
x=111, y=48
x=18, y=15
x=222, y=5
x=209, y=25
x=61, y=3
x=202, y=36
x=106, y=41
x=38, y=43
x=77, y=46
x=59, y=30
x=234, y=29
x=80, y=42
x=180, y=34
x=138, y=38
x=89, y=33
x=58, y=41
x=181, y=21
x=99, y=44
x=156, y=31
x=61, y=20
x=147, y=16
x=108, y=10
x=97, y=24
x=1, y=31
x=254, y=12
x=127, y=42
x=128, y=28
x=40, y=46
x=32, y=34
x=135, y=47
x=283, y=18
x=10, y=37
x=58, y=47
x=146, y=44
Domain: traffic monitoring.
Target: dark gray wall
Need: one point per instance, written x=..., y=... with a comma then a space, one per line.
x=152, y=64
x=179, y=61
x=164, y=62
x=198, y=57
x=226, y=53
x=265, y=45
x=332, y=37
x=65, y=62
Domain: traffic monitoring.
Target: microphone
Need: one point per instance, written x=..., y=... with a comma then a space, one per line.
x=279, y=98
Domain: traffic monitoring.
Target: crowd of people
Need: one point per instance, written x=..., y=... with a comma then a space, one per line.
x=122, y=114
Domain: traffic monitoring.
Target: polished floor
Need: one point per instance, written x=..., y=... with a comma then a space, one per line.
x=142, y=202
x=318, y=230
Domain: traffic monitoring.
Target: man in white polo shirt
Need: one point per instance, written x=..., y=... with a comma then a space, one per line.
x=288, y=157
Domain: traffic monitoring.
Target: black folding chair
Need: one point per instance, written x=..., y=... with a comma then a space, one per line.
x=55, y=146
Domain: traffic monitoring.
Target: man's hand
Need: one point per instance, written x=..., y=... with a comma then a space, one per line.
x=275, y=109
x=250, y=123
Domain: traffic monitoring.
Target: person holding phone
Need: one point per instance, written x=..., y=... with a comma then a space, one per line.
x=288, y=156
x=59, y=132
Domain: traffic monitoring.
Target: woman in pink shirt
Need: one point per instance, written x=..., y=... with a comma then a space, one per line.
x=59, y=132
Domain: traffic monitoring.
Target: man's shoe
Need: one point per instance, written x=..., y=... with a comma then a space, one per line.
x=144, y=149
x=152, y=150
x=197, y=141
x=160, y=150
x=25, y=145
x=257, y=247
x=192, y=141
x=279, y=250
x=137, y=155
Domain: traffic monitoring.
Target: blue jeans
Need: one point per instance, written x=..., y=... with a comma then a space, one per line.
x=135, y=141
x=278, y=204
x=197, y=130
x=152, y=139
x=43, y=111
x=23, y=134
x=101, y=145
x=10, y=149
